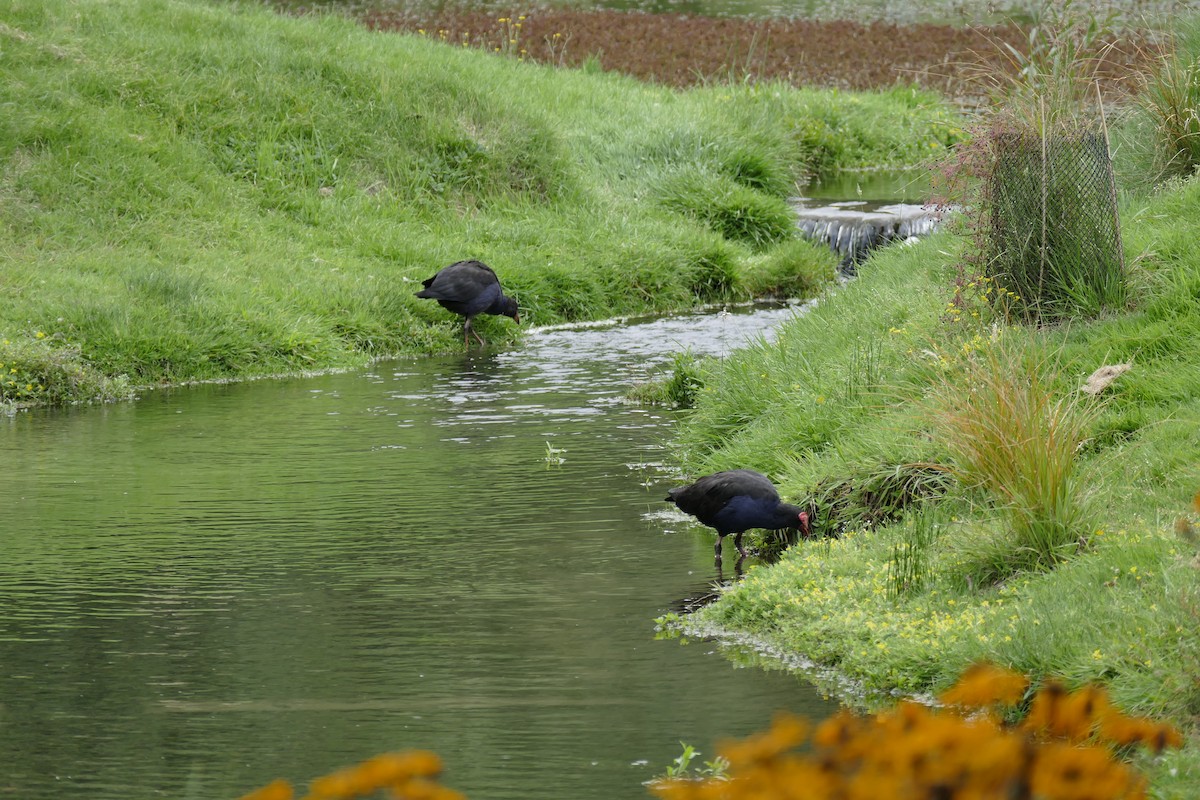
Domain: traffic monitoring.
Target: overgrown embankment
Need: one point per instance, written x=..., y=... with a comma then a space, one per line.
x=894, y=411
x=196, y=191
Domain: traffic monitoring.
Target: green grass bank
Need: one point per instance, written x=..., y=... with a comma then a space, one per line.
x=858, y=408
x=198, y=190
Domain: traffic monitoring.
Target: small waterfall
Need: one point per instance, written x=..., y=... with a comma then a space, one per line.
x=853, y=228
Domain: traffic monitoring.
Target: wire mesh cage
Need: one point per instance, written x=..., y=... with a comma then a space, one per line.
x=1053, y=235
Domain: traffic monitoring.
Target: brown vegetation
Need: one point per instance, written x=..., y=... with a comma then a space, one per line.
x=685, y=50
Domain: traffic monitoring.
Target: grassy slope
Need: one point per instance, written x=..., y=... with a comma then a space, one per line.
x=840, y=396
x=196, y=191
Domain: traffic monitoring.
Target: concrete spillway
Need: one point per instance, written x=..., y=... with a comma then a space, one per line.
x=852, y=229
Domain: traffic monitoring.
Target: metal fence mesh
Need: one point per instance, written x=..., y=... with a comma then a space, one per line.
x=1054, y=236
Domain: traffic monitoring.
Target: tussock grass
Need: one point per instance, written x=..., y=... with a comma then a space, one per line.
x=196, y=191
x=1005, y=431
x=1172, y=99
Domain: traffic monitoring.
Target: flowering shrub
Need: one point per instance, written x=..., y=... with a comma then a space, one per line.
x=1065, y=748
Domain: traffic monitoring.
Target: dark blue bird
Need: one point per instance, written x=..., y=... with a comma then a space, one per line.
x=469, y=288
x=736, y=501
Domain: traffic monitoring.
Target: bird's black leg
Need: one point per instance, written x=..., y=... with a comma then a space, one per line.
x=737, y=542
x=720, y=536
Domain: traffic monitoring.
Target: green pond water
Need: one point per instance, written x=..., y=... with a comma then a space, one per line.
x=216, y=586
x=873, y=187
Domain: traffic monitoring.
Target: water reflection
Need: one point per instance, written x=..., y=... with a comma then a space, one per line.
x=872, y=188
x=217, y=586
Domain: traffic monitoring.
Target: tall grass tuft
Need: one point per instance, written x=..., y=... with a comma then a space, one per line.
x=1171, y=96
x=1005, y=431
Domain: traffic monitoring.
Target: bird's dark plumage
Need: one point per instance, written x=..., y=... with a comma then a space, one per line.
x=736, y=501
x=469, y=288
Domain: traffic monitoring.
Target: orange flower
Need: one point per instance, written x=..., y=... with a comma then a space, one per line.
x=338, y=784
x=420, y=789
x=1123, y=730
x=1000, y=762
x=423, y=763
x=1066, y=772
x=985, y=684
x=275, y=790
x=911, y=752
x=400, y=771
x=1044, y=709
x=786, y=732
x=837, y=730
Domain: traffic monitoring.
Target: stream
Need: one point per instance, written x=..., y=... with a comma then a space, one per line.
x=220, y=585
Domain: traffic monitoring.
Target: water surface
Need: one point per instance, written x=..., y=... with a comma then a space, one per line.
x=872, y=188
x=217, y=586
